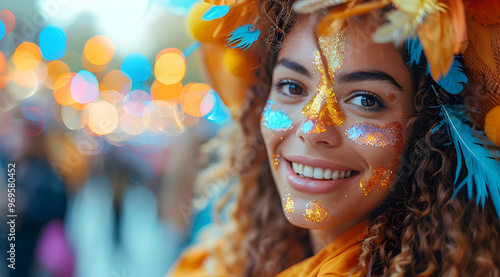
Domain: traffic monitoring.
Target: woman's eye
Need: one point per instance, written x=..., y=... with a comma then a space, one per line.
x=366, y=101
x=290, y=88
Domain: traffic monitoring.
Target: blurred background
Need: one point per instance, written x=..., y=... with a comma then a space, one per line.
x=102, y=109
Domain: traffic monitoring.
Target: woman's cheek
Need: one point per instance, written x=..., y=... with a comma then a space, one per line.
x=275, y=124
x=387, y=141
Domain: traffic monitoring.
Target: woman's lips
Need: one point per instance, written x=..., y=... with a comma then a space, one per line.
x=333, y=175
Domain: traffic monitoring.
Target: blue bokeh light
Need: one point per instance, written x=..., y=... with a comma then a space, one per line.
x=2, y=30
x=136, y=67
x=52, y=42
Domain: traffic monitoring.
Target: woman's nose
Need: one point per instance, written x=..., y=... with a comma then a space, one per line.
x=314, y=133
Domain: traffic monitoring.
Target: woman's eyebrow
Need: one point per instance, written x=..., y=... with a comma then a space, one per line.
x=294, y=66
x=368, y=75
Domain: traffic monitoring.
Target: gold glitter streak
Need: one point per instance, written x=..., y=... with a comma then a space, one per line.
x=377, y=177
x=276, y=161
x=289, y=206
x=315, y=211
x=323, y=109
x=376, y=135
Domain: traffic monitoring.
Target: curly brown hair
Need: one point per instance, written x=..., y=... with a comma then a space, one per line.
x=421, y=229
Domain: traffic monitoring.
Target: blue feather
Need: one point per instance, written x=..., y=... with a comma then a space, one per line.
x=415, y=50
x=215, y=12
x=482, y=170
x=454, y=81
x=243, y=36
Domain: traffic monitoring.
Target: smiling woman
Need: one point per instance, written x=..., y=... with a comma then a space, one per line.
x=324, y=159
x=355, y=177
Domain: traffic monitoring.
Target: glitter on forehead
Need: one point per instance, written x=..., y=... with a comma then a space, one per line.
x=380, y=176
x=392, y=97
x=276, y=161
x=289, y=205
x=315, y=212
x=275, y=120
x=323, y=107
x=376, y=135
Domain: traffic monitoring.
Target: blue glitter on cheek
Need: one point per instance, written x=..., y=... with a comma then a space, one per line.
x=275, y=120
x=354, y=133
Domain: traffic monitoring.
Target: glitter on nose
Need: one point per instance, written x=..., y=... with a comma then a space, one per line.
x=324, y=107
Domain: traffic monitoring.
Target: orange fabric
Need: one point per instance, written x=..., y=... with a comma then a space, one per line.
x=193, y=263
x=336, y=259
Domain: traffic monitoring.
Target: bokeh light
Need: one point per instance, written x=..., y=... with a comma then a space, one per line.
x=134, y=125
x=71, y=118
x=170, y=50
x=115, y=80
x=136, y=67
x=2, y=30
x=57, y=71
x=8, y=19
x=163, y=117
x=3, y=62
x=170, y=68
x=27, y=56
x=62, y=89
x=4, y=79
x=102, y=117
x=172, y=93
x=34, y=121
x=192, y=98
x=136, y=101
x=52, y=42
x=84, y=87
x=99, y=50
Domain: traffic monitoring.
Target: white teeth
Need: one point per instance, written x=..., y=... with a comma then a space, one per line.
x=335, y=174
x=328, y=174
x=308, y=171
x=319, y=173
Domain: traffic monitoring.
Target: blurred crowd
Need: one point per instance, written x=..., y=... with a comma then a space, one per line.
x=103, y=110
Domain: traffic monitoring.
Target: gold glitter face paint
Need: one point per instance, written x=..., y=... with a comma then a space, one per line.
x=316, y=211
x=392, y=97
x=323, y=110
x=381, y=175
x=276, y=161
x=376, y=135
x=289, y=205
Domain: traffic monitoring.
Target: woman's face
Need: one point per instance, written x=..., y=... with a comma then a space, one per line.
x=334, y=146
